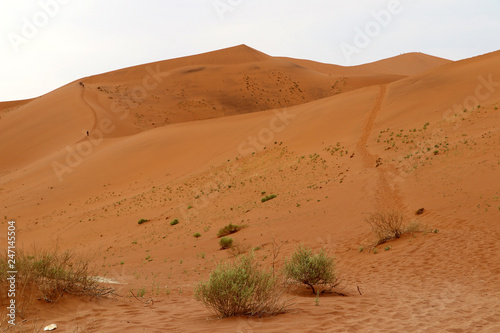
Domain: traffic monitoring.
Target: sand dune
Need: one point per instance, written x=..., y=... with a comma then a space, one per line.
x=390, y=138
x=404, y=65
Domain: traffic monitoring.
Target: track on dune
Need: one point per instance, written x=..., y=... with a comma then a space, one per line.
x=90, y=106
x=387, y=194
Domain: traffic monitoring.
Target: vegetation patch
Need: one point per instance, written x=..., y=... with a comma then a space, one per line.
x=229, y=229
x=268, y=197
x=174, y=222
x=141, y=221
x=225, y=243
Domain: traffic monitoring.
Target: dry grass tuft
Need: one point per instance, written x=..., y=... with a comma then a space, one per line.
x=391, y=225
x=48, y=276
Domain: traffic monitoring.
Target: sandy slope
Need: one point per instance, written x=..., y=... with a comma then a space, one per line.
x=331, y=159
x=405, y=65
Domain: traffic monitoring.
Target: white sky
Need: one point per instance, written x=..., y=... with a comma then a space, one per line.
x=77, y=38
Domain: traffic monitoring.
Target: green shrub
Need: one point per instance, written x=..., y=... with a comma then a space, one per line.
x=141, y=221
x=174, y=222
x=228, y=229
x=268, y=197
x=311, y=269
x=225, y=242
x=241, y=288
x=197, y=235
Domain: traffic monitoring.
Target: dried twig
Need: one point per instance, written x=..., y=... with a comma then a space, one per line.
x=276, y=249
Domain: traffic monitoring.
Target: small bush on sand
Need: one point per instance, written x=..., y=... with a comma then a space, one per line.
x=228, y=229
x=386, y=226
x=241, y=288
x=391, y=225
x=174, y=222
x=311, y=269
x=141, y=221
x=225, y=243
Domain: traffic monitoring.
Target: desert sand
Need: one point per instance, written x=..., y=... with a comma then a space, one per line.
x=200, y=138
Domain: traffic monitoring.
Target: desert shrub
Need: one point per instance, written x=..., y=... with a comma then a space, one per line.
x=386, y=226
x=141, y=221
x=48, y=275
x=174, y=222
x=197, y=235
x=268, y=197
x=241, y=288
x=228, y=229
x=311, y=269
x=225, y=242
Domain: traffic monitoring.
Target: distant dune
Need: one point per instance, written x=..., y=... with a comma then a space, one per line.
x=203, y=138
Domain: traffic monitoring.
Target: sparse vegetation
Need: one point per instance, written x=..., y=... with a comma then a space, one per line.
x=241, y=288
x=197, y=235
x=141, y=221
x=228, y=229
x=141, y=292
x=311, y=269
x=268, y=197
x=174, y=222
x=225, y=243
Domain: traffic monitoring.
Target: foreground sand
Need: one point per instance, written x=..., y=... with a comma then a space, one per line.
x=383, y=136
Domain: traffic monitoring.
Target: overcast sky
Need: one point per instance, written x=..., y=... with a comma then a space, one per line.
x=45, y=44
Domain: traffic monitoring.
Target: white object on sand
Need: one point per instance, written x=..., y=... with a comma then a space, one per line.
x=51, y=327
